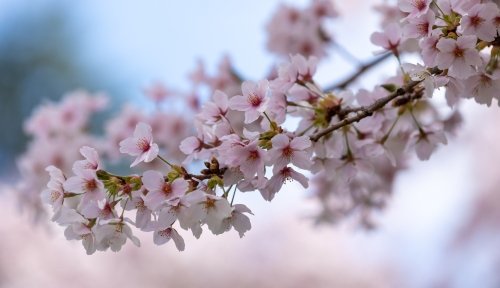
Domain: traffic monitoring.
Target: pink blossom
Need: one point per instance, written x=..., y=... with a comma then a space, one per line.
x=143, y=213
x=279, y=178
x=420, y=26
x=80, y=231
x=191, y=145
x=87, y=183
x=479, y=21
x=390, y=39
x=157, y=92
x=458, y=56
x=140, y=145
x=98, y=209
x=426, y=141
x=163, y=236
x=415, y=8
x=91, y=161
x=286, y=151
x=239, y=221
x=214, y=112
x=251, y=159
x=114, y=236
x=483, y=87
x=420, y=73
x=54, y=195
x=298, y=69
x=160, y=191
x=209, y=209
x=429, y=48
x=253, y=101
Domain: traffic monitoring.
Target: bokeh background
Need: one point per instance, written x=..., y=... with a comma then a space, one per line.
x=441, y=228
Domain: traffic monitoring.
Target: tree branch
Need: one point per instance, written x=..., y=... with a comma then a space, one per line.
x=364, y=112
x=361, y=70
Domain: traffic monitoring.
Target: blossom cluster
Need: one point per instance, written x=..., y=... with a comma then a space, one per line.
x=301, y=31
x=348, y=146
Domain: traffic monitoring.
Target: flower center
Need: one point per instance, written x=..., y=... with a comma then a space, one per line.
x=143, y=145
x=54, y=195
x=167, y=233
x=475, y=21
x=419, y=4
x=140, y=205
x=90, y=185
x=286, y=173
x=423, y=28
x=167, y=189
x=210, y=203
x=253, y=155
x=287, y=151
x=254, y=100
x=458, y=52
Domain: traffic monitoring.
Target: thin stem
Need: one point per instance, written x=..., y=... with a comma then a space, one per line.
x=234, y=193
x=346, y=54
x=289, y=103
x=164, y=160
x=416, y=121
x=267, y=116
x=349, y=152
x=359, y=72
x=400, y=64
x=307, y=129
x=439, y=8
x=123, y=211
x=386, y=136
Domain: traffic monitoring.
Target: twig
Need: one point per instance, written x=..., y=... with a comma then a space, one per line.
x=364, y=112
x=361, y=70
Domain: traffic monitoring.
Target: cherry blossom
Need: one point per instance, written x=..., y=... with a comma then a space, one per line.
x=458, y=56
x=254, y=100
x=286, y=151
x=91, y=161
x=163, y=236
x=415, y=8
x=479, y=21
x=228, y=135
x=54, y=195
x=140, y=145
x=279, y=178
x=390, y=39
x=85, y=182
x=420, y=26
x=426, y=141
x=160, y=190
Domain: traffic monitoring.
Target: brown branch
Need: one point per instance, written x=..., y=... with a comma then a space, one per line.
x=361, y=70
x=364, y=112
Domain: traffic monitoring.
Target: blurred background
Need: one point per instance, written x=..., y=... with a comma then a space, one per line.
x=440, y=229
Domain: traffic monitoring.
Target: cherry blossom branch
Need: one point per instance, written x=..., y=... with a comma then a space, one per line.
x=361, y=70
x=364, y=112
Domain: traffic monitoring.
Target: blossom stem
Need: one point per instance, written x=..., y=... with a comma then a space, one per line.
x=439, y=8
x=123, y=211
x=416, y=121
x=267, y=116
x=289, y=103
x=305, y=130
x=386, y=136
x=234, y=193
x=400, y=64
x=164, y=160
